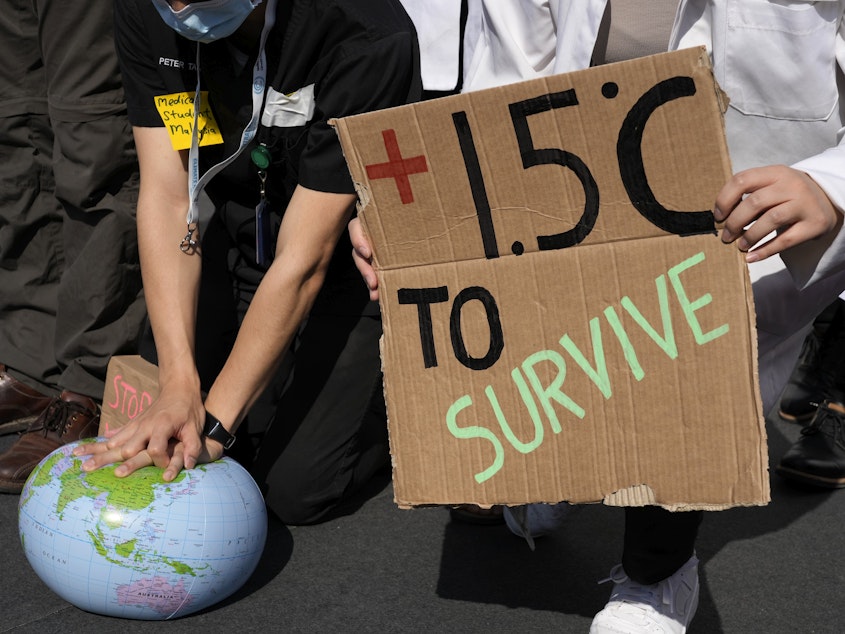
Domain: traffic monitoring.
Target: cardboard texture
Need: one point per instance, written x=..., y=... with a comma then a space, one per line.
x=546, y=338
x=131, y=385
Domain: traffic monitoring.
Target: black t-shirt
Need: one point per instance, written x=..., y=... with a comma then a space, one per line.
x=325, y=59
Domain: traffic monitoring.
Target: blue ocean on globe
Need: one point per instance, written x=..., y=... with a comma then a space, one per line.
x=139, y=547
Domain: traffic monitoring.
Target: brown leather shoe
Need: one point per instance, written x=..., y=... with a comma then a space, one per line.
x=20, y=405
x=67, y=418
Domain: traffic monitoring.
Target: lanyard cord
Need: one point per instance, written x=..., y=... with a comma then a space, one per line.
x=196, y=184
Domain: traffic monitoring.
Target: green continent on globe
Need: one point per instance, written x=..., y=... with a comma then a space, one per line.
x=141, y=560
x=131, y=493
x=126, y=548
x=122, y=497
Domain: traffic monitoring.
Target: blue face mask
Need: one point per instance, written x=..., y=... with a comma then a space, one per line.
x=206, y=21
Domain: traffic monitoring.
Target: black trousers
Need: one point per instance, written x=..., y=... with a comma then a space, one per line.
x=657, y=542
x=318, y=434
x=70, y=284
x=329, y=433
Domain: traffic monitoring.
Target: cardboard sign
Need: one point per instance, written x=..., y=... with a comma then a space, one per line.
x=131, y=385
x=561, y=321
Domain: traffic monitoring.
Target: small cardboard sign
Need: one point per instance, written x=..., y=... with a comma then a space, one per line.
x=561, y=320
x=131, y=386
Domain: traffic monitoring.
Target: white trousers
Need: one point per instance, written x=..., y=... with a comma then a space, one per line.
x=785, y=316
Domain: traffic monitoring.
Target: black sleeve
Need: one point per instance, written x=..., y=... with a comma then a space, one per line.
x=382, y=75
x=152, y=60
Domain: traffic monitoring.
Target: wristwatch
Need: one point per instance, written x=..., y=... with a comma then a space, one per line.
x=214, y=429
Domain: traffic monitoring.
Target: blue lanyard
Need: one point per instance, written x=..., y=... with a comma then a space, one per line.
x=197, y=183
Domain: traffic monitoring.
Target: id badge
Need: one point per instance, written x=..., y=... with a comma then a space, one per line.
x=263, y=234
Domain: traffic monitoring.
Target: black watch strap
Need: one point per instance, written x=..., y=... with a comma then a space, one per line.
x=214, y=429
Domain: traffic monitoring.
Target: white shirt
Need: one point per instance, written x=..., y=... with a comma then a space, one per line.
x=777, y=59
x=438, y=24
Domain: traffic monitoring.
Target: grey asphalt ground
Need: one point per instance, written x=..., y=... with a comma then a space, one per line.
x=774, y=569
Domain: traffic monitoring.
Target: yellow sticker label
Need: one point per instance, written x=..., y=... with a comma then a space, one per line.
x=177, y=113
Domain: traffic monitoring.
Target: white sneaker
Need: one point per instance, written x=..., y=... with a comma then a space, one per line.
x=662, y=608
x=535, y=520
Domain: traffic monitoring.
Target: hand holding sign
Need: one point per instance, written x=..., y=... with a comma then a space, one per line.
x=775, y=198
x=362, y=255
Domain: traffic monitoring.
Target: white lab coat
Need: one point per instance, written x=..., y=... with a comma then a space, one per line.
x=777, y=60
x=438, y=24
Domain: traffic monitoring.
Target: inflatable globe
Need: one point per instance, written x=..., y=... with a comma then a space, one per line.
x=138, y=547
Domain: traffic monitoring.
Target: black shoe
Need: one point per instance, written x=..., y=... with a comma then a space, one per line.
x=818, y=456
x=820, y=374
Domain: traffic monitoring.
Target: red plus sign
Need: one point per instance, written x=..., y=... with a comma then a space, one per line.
x=397, y=168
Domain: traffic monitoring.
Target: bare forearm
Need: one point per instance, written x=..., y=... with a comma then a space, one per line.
x=267, y=331
x=309, y=233
x=171, y=277
x=171, y=282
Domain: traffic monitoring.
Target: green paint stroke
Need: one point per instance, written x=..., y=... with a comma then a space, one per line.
x=667, y=341
x=475, y=431
x=689, y=307
x=627, y=346
x=599, y=374
x=527, y=398
x=553, y=391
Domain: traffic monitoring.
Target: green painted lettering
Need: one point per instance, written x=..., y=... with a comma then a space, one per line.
x=553, y=391
x=530, y=405
x=689, y=307
x=627, y=346
x=667, y=341
x=598, y=375
x=475, y=431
